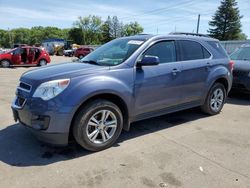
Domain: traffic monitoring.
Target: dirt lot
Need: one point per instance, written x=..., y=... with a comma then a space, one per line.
x=185, y=149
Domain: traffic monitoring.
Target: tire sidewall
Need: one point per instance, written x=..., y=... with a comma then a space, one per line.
x=214, y=87
x=1, y=63
x=81, y=126
x=42, y=64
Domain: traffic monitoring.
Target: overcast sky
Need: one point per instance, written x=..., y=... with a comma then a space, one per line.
x=156, y=16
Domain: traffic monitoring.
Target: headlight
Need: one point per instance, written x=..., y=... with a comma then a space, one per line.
x=49, y=90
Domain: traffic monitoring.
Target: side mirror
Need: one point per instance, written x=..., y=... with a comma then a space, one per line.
x=148, y=61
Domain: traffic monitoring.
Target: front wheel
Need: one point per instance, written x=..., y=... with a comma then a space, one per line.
x=98, y=125
x=5, y=63
x=215, y=99
x=42, y=62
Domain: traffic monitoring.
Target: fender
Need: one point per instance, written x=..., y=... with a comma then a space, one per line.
x=216, y=73
x=85, y=88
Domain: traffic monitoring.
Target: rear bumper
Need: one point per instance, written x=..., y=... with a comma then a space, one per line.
x=241, y=83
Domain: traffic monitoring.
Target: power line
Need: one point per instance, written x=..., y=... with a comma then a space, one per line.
x=159, y=10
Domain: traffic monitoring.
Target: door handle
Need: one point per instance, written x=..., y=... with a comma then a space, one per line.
x=175, y=71
x=208, y=66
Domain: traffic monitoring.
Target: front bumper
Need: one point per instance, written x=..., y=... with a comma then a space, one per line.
x=49, y=122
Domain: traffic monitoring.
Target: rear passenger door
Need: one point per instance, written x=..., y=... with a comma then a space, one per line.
x=195, y=61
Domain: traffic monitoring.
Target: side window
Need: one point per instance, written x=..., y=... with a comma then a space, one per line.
x=190, y=50
x=217, y=46
x=17, y=51
x=206, y=53
x=164, y=50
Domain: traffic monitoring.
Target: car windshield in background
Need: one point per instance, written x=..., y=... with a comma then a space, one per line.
x=114, y=52
x=241, y=54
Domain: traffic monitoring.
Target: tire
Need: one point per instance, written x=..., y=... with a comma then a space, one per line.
x=90, y=128
x=5, y=63
x=42, y=62
x=217, y=93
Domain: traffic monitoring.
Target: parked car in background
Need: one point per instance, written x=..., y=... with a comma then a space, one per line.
x=82, y=52
x=123, y=81
x=69, y=52
x=241, y=72
x=24, y=56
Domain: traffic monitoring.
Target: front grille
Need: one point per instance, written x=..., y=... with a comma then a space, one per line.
x=240, y=73
x=20, y=101
x=24, y=86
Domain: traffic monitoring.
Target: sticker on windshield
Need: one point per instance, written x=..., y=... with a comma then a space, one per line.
x=136, y=42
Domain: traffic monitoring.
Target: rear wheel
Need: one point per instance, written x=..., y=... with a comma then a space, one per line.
x=215, y=99
x=98, y=125
x=42, y=62
x=5, y=63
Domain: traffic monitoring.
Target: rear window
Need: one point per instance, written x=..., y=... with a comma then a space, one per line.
x=191, y=50
x=242, y=53
x=218, y=48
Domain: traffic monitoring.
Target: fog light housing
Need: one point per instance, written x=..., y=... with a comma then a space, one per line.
x=40, y=122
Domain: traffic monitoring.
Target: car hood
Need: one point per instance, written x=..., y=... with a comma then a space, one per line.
x=4, y=54
x=60, y=71
x=241, y=65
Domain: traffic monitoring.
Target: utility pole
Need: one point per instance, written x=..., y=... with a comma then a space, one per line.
x=198, y=23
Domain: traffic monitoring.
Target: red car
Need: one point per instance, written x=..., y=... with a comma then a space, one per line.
x=24, y=56
x=83, y=51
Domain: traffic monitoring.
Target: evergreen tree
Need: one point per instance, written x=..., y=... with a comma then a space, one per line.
x=225, y=24
x=106, y=30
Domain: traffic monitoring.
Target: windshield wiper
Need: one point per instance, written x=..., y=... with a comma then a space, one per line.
x=90, y=62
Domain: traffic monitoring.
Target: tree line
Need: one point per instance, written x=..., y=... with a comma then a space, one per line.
x=225, y=25
x=86, y=30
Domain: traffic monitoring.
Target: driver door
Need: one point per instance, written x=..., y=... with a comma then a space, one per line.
x=158, y=87
x=16, y=57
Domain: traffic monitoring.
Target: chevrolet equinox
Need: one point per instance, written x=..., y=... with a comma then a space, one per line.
x=126, y=80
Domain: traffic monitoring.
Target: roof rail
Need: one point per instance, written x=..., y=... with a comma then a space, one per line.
x=193, y=34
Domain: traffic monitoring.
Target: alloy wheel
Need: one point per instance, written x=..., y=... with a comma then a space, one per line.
x=101, y=126
x=217, y=100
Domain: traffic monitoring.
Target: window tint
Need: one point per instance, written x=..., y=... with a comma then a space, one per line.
x=206, y=53
x=190, y=50
x=217, y=46
x=164, y=50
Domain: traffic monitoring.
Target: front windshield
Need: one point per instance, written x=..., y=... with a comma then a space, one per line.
x=114, y=52
x=241, y=54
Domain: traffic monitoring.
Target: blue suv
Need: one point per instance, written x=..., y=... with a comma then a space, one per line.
x=126, y=80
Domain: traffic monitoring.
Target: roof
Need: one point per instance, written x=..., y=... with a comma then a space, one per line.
x=173, y=35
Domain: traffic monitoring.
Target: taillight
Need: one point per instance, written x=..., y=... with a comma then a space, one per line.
x=231, y=65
